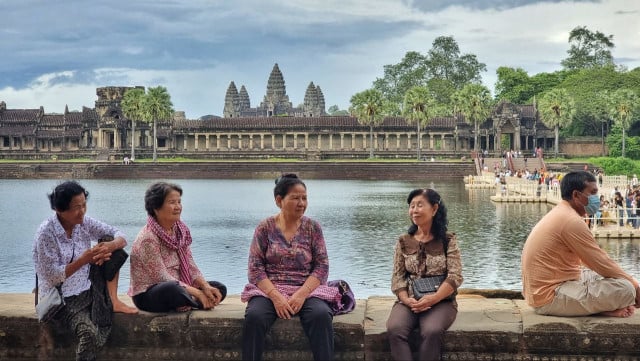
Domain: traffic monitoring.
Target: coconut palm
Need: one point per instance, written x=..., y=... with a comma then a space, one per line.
x=367, y=106
x=623, y=107
x=474, y=103
x=419, y=108
x=556, y=109
x=133, y=108
x=157, y=106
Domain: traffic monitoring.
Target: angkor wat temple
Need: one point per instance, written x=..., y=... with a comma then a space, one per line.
x=276, y=101
x=273, y=129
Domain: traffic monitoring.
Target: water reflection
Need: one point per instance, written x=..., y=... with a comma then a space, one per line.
x=361, y=221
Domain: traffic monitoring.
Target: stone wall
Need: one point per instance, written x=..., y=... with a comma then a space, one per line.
x=583, y=147
x=485, y=329
x=238, y=170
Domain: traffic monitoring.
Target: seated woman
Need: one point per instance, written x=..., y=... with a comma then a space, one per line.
x=164, y=276
x=427, y=250
x=288, y=268
x=62, y=253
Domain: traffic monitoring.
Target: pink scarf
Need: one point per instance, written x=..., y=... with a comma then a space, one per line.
x=180, y=243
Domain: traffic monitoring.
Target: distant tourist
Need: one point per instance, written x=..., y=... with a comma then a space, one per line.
x=553, y=277
x=426, y=252
x=288, y=269
x=125, y=160
x=164, y=276
x=63, y=254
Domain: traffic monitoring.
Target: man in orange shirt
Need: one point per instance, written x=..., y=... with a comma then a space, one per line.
x=554, y=278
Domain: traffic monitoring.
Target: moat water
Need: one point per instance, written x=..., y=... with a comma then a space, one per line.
x=361, y=221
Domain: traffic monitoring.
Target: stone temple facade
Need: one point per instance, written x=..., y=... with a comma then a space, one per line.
x=276, y=101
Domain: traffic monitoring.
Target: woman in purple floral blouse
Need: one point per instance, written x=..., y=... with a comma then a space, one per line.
x=288, y=269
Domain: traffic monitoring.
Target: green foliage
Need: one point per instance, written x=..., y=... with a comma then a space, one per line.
x=623, y=109
x=617, y=165
x=419, y=109
x=513, y=85
x=556, y=109
x=443, y=70
x=475, y=103
x=588, y=49
x=368, y=106
x=335, y=110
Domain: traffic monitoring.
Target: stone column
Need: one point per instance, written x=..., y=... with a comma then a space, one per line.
x=365, y=139
x=261, y=140
x=273, y=141
x=207, y=142
x=306, y=141
x=397, y=141
x=330, y=141
x=250, y=141
x=353, y=141
x=341, y=141
x=517, y=146
x=196, y=140
x=443, y=143
x=319, y=141
x=295, y=141
x=408, y=141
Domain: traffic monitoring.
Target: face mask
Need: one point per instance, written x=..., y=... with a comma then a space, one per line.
x=593, y=205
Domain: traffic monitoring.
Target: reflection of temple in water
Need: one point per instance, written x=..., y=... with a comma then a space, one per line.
x=273, y=128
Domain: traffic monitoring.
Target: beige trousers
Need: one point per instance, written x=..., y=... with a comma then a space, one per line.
x=589, y=295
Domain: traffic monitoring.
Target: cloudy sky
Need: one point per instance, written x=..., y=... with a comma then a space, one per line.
x=57, y=52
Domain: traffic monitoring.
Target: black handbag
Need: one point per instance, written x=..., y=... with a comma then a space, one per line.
x=427, y=285
x=430, y=284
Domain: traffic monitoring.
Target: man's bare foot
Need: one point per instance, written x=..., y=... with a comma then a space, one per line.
x=121, y=307
x=622, y=312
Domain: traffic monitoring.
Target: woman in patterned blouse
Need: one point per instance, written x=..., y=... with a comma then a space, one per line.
x=63, y=253
x=164, y=276
x=288, y=268
x=427, y=250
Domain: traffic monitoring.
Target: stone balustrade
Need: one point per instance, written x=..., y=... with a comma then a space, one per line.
x=485, y=329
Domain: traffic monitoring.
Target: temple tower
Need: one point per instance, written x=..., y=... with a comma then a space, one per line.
x=276, y=101
x=244, y=101
x=231, y=102
x=312, y=106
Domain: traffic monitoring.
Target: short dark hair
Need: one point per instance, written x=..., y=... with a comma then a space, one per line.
x=284, y=183
x=155, y=195
x=574, y=181
x=440, y=223
x=60, y=198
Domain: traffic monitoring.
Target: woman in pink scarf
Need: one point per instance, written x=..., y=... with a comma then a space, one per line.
x=164, y=276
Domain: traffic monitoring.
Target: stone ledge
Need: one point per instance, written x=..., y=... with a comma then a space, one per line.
x=485, y=329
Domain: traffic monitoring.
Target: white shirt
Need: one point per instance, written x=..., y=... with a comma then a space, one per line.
x=53, y=251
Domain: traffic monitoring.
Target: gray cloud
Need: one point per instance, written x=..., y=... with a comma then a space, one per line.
x=437, y=5
x=73, y=35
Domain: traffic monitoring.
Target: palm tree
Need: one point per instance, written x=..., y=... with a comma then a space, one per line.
x=623, y=107
x=474, y=103
x=418, y=108
x=367, y=106
x=157, y=106
x=557, y=109
x=133, y=108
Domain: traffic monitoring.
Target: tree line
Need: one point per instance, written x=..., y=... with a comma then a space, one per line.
x=589, y=96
